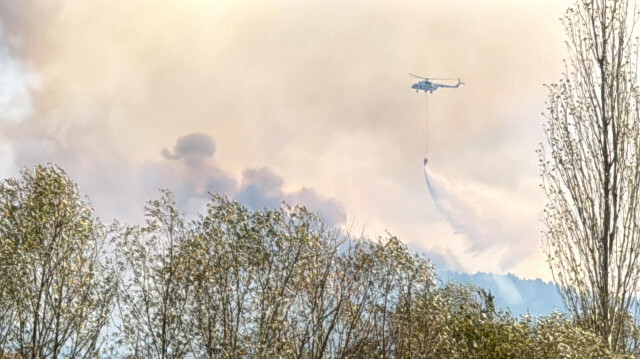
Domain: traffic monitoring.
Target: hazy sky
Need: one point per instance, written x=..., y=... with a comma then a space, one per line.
x=302, y=101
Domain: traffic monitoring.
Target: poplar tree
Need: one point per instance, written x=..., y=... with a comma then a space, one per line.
x=56, y=291
x=590, y=170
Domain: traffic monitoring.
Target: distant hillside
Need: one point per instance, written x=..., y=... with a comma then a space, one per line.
x=520, y=296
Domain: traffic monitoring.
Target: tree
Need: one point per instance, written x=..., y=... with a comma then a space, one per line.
x=460, y=321
x=57, y=293
x=280, y=283
x=590, y=170
x=155, y=289
x=226, y=252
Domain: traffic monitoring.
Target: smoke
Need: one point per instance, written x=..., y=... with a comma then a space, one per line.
x=192, y=172
x=17, y=81
x=330, y=208
x=106, y=89
x=490, y=219
x=195, y=144
x=507, y=290
x=262, y=188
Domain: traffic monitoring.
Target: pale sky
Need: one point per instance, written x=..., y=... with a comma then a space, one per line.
x=304, y=101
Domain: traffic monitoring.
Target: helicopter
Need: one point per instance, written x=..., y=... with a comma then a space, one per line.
x=427, y=85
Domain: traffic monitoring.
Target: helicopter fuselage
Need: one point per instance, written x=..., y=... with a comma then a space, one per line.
x=429, y=86
x=425, y=86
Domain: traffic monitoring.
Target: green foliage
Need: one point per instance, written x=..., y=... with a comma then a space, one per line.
x=55, y=291
x=459, y=321
x=237, y=283
x=279, y=283
x=155, y=283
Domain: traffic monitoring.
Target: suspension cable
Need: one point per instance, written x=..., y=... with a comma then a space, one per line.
x=426, y=143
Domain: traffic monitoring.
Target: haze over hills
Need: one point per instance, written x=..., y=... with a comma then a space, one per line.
x=520, y=296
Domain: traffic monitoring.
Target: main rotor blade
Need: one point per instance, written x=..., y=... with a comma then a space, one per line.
x=420, y=77
x=433, y=78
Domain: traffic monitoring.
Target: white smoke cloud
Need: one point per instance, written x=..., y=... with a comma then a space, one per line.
x=17, y=81
x=6, y=160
